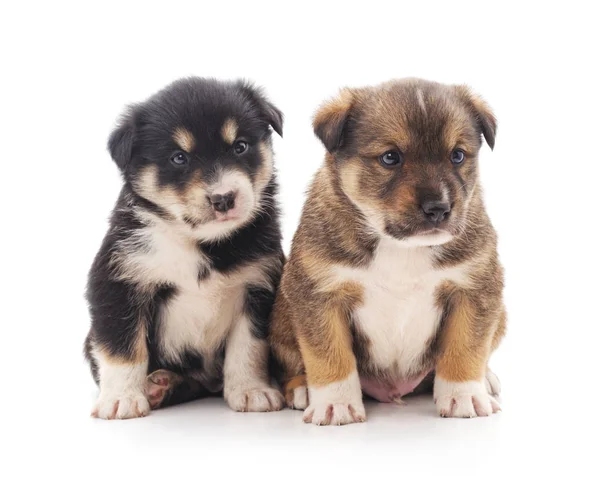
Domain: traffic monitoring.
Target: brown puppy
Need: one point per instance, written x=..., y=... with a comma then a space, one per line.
x=394, y=272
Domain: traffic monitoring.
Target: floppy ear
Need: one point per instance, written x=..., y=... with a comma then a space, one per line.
x=273, y=115
x=120, y=142
x=331, y=118
x=483, y=114
x=268, y=111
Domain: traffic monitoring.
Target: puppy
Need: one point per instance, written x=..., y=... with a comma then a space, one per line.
x=393, y=273
x=182, y=288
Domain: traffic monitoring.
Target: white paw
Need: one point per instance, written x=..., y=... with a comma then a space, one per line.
x=336, y=403
x=492, y=383
x=334, y=414
x=255, y=400
x=298, y=399
x=463, y=399
x=123, y=406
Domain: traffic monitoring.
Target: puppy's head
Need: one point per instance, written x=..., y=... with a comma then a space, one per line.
x=200, y=152
x=405, y=153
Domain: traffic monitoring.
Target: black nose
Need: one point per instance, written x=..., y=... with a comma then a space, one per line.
x=223, y=202
x=436, y=211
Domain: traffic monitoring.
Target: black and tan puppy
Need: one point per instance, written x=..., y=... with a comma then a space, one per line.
x=393, y=274
x=182, y=288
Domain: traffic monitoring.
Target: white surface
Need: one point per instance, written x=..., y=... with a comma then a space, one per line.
x=68, y=71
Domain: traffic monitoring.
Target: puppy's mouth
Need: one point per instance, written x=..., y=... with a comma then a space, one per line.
x=209, y=215
x=419, y=235
x=431, y=232
x=230, y=215
x=194, y=221
x=440, y=235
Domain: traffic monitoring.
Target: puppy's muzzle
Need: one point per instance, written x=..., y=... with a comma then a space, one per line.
x=436, y=211
x=222, y=203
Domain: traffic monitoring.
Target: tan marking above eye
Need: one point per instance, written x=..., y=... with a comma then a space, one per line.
x=184, y=139
x=229, y=131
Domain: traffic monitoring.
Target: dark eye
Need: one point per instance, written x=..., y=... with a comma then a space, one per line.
x=390, y=158
x=240, y=146
x=179, y=159
x=457, y=157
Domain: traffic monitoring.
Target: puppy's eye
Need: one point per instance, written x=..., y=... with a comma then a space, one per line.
x=457, y=157
x=179, y=159
x=390, y=158
x=240, y=146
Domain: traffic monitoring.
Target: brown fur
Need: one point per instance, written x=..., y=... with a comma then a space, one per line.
x=328, y=353
x=290, y=385
x=354, y=197
x=465, y=340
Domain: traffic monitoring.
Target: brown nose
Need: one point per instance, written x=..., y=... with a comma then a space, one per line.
x=223, y=202
x=436, y=211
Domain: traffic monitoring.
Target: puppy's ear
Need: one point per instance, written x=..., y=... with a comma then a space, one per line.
x=486, y=119
x=268, y=111
x=272, y=114
x=330, y=120
x=121, y=140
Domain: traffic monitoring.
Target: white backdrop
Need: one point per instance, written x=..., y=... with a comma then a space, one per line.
x=67, y=72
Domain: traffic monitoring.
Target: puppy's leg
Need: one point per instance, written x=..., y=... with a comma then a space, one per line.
x=122, y=382
x=335, y=395
x=460, y=388
x=289, y=368
x=117, y=348
x=491, y=379
x=246, y=380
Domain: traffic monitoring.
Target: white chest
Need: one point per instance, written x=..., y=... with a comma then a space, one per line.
x=199, y=315
x=400, y=313
x=198, y=318
x=160, y=253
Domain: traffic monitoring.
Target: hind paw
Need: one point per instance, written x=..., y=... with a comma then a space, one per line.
x=158, y=384
x=492, y=383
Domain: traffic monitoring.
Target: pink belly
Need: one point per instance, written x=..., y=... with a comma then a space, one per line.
x=390, y=392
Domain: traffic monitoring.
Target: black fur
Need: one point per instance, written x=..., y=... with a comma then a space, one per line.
x=144, y=134
x=116, y=306
x=259, y=304
x=144, y=138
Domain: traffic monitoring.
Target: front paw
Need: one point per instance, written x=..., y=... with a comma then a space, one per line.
x=336, y=403
x=335, y=414
x=121, y=406
x=259, y=399
x=463, y=399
